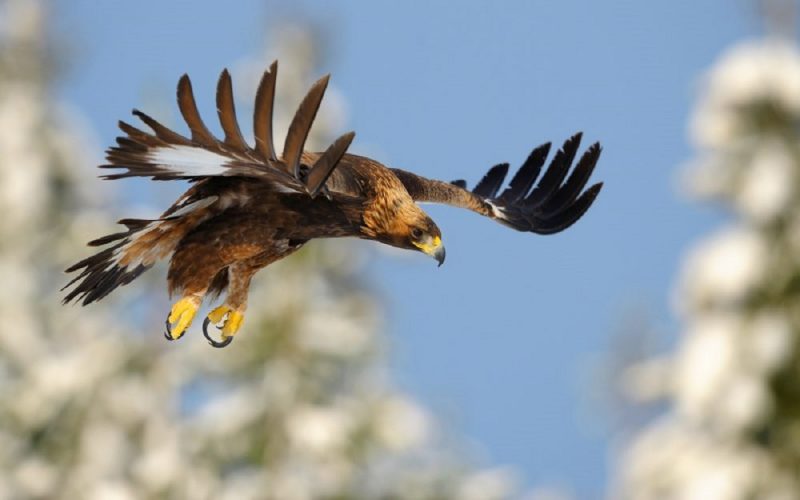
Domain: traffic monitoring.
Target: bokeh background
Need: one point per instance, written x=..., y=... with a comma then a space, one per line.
x=647, y=352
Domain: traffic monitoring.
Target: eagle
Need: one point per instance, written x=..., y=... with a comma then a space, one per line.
x=248, y=206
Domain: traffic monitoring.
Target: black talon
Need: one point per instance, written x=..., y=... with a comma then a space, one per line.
x=168, y=333
x=215, y=343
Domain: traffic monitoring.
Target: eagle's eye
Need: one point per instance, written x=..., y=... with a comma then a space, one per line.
x=416, y=233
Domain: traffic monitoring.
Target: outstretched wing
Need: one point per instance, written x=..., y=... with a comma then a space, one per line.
x=164, y=154
x=550, y=206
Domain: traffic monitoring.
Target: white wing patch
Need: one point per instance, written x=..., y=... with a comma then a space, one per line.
x=189, y=160
x=497, y=213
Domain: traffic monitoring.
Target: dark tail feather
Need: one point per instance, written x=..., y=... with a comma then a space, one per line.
x=101, y=273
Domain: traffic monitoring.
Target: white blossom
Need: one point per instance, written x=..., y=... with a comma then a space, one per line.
x=704, y=363
x=319, y=430
x=678, y=461
x=723, y=269
x=486, y=485
x=400, y=424
x=333, y=334
x=768, y=342
x=744, y=403
x=749, y=73
x=767, y=185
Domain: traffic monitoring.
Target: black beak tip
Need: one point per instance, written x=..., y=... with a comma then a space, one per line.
x=440, y=255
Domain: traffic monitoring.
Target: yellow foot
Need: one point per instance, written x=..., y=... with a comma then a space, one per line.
x=181, y=316
x=228, y=320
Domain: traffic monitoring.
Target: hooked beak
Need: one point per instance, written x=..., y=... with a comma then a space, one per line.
x=439, y=255
x=434, y=248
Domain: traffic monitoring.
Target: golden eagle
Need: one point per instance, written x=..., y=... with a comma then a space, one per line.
x=248, y=206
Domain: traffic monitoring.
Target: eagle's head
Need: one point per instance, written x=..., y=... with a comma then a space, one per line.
x=424, y=235
x=400, y=222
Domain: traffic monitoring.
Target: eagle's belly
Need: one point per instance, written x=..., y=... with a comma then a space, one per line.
x=276, y=250
x=247, y=238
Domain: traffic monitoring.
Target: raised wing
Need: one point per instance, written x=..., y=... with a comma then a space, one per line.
x=164, y=154
x=550, y=206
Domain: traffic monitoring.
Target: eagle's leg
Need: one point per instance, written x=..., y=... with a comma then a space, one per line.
x=228, y=317
x=191, y=281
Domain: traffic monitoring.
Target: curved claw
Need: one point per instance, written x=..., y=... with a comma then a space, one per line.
x=168, y=332
x=216, y=343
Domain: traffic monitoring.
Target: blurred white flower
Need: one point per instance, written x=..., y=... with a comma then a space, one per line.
x=744, y=403
x=676, y=461
x=718, y=372
x=28, y=20
x=280, y=383
x=226, y=414
x=23, y=180
x=104, y=449
x=291, y=485
x=768, y=342
x=110, y=490
x=722, y=269
x=319, y=430
x=767, y=184
x=160, y=459
x=36, y=477
x=491, y=484
x=400, y=424
x=706, y=359
x=334, y=334
x=748, y=73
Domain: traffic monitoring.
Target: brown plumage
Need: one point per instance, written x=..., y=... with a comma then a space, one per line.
x=248, y=206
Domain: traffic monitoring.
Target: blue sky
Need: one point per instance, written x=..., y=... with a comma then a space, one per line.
x=501, y=341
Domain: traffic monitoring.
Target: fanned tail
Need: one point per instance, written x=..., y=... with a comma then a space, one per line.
x=108, y=269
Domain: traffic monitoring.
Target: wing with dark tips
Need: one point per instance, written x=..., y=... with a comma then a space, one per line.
x=555, y=174
x=162, y=132
x=546, y=207
x=525, y=177
x=491, y=182
x=164, y=154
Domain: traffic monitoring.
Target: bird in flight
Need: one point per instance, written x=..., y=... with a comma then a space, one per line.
x=249, y=206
